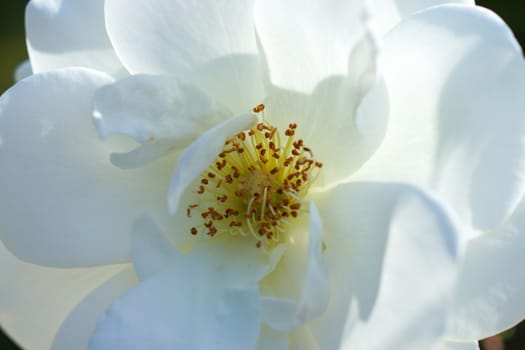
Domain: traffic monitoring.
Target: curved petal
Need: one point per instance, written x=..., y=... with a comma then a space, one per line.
x=338, y=108
x=159, y=112
x=209, y=43
x=303, y=339
x=342, y=130
x=76, y=330
x=490, y=296
x=69, y=33
x=456, y=119
x=166, y=36
x=383, y=241
x=23, y=70
x=286, y=314
x=450, y=345
x=201, y=153
x=192, y=304
x=237, y=259
x=305, y=42
x=163, y=314
x=35, y=300
x=150, y=250
x=385, y=14
x=63, y=203
x=271, y=339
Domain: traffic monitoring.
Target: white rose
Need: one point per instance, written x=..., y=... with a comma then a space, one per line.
x=369, y=262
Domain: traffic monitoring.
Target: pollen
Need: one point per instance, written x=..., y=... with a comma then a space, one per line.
x=256, y=186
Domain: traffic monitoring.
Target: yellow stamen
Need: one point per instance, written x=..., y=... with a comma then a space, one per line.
x=256, y=185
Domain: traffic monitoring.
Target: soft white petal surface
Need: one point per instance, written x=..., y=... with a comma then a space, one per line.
x=455, y=76
x=172, y=311
x=69, y=33
x=385, y=14
x=201, y=153
x=35, y=300
x=210, y=43
x=174, y=36
x=272, y=339
x=344, y=109
x=240, y=263
x=303, y=339
x=339, y=108
x=383, y=242
x=151, y=251
x=307, y=41
x=160, y=113
x=63, y=203
x=449, y=345
x=206, y=299
x=490, y=296
x=77, y=328
x=286, y=314
x=23, y=70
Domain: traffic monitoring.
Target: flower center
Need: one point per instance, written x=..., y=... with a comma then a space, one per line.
x=256, y=185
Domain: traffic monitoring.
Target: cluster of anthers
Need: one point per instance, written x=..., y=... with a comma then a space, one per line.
x=256, y=185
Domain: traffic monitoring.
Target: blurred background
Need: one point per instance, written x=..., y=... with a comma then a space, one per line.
x=12, y=52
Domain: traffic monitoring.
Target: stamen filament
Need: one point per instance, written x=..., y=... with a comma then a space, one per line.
x=256, y=185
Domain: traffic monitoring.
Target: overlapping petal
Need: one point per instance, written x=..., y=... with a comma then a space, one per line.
x=175, y=311
x=210, y=44
x=201, y=153
x=205, y=299
x=383, y=241
x=284, y=314
x=35, y=300
x=149, y=42
x=385, y=14
x=158, y=112
x=490, y=294
x=69, y=33
x=454, y=76
x=455, y=126
x=307, y=41
x=23, y=70
x=151, y=255
x=271, y=339
x=63, y=203
x=76, y=330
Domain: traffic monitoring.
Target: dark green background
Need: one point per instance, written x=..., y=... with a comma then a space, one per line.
x=12, y=52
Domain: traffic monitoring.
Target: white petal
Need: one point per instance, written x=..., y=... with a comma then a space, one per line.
x=63, y=203
x=35, y=300
x=303, y=339
x=392, y=258
x=151, y=251
x=337, y=110
x=305, y=42
x=286, y=314
x=385, y=14
x=209, y=43
x=77, y=328
x=490, y=296
x=456, y=119
x=240, y=262
x=158, y=112
x=450, y=345
x=187, y=306
x=69, y=33
x=23, y=70
x=342, y=130
x=272, y=339
x=174, y=36
x=201, y=153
